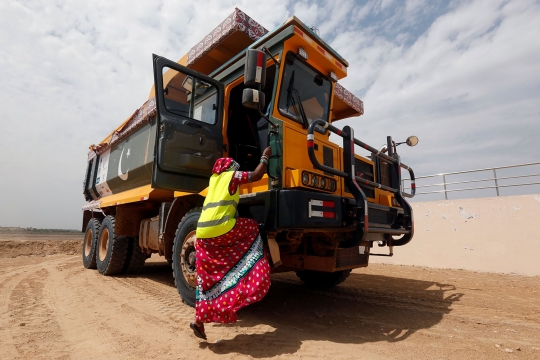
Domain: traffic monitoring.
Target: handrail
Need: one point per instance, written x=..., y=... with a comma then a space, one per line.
x=375, y=151
x=477, y=170
x=360, y=211
x=495, y=179
x=481, y=180
x=335, y=130
x=412, y=180
x=480, y=188
x=352, y=181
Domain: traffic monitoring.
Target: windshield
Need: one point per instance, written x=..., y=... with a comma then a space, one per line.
x=312, y=88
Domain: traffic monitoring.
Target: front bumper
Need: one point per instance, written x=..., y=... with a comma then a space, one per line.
x=308, y=210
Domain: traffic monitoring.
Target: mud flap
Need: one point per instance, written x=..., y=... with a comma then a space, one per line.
x=274, y=251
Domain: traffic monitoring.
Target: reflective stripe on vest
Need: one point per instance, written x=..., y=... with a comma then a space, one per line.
x=218, y=213
x=220, y=203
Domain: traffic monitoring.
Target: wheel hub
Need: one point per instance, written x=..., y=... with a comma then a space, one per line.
x=103, y=244
x=188, y=259
x=88, y=243
x=191, y=260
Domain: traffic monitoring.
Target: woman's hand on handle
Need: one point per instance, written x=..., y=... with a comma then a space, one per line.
x=261, y=168
x=268, y=151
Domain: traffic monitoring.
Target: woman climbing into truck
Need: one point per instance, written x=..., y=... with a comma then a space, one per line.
x=232, y=266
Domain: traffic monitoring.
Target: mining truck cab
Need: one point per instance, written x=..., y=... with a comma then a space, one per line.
x=321, y=206
x=322, y=203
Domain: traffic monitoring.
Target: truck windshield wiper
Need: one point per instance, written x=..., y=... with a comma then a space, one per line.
x=294, y=98
x=301, y=108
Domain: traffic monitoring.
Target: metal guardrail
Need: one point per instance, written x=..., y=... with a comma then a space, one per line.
x=348, y=139
x=353, y=181
x=495, y=179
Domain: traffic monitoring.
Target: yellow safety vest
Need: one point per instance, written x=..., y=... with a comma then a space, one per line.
x=217, y=217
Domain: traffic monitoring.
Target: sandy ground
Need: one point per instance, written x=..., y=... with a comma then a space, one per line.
x=14, y=244
x=52, y=308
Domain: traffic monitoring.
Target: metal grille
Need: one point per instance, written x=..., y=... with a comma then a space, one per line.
x=384, y=175
x=377, y=216
x=328, y=158
x=370, y=193
x=364, y=168
x=350, y=257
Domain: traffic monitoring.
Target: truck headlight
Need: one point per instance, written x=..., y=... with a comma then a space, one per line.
x=333, y=185
x=305, y=178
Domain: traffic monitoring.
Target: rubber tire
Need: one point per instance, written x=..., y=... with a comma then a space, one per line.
x=186, y=225
x=135, y=257
x=89, y=261
x=320, y=279
x=117, y=249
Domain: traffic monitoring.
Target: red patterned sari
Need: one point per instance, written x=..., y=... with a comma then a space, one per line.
x=232, y=272
x=232, y=269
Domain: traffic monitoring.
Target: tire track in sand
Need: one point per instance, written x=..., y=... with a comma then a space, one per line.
x=108, y=316
x=32, y=322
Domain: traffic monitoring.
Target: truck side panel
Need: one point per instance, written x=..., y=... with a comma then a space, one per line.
x=128, y=164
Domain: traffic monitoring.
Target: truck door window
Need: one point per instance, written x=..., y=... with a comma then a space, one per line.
x=312, y=88
x=190, y=97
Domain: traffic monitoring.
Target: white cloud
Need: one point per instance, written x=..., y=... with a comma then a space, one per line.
x=71, y=72
x=464, y=78
x=467, y=87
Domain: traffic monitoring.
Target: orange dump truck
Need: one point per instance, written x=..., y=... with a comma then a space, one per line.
x=321, y=206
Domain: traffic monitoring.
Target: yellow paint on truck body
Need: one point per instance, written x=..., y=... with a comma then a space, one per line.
x=139, y=194
x=295, y=155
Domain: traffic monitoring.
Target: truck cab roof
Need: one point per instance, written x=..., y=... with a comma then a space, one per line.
x=226, y=45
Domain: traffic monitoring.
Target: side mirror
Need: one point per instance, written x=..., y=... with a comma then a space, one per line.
x=253, y=99
x=412, y=140
x=255, y=69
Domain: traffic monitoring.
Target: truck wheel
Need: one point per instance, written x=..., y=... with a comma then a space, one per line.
x=135, y=257
x=89, y=244
x=111, y=249
x=320, y=279
x=183, y=262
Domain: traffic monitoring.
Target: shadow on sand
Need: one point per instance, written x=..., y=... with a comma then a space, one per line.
x=365, y=308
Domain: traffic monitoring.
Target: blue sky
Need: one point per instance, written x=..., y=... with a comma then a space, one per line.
x=464, y=76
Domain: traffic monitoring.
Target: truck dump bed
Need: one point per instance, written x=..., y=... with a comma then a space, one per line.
x=219, y=48
x=237, y=32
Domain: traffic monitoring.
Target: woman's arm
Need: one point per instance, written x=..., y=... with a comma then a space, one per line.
x=258, y=173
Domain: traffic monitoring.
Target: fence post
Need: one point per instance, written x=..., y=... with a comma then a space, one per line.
x=496, y=183
x=444, y=181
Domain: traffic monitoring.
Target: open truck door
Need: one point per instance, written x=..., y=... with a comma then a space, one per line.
x=189, y=137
